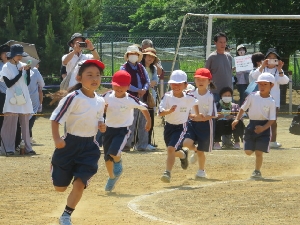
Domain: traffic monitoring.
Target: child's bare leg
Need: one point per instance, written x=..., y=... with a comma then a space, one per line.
x=170, y=158
x=116, y=158
x=76, y=193
x=201, y=160
x=258, y=160
x=249, y=152
x=110, y=168
x=189, y=143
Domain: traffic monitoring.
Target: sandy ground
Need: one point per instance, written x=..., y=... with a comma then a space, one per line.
x=226, y=197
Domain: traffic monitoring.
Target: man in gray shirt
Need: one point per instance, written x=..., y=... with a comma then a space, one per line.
x=219, y=63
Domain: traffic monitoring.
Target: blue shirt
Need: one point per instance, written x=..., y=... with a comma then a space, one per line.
x=3, y=86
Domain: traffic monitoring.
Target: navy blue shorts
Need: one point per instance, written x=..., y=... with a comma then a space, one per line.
x=254, y=141
x=114, y=140
x=78, y=159
x=202, y=133
x=174, y=134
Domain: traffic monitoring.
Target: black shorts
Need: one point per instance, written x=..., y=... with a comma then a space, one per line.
x=254, y=141
x=78, y=159
x=114, y=140
x=202, y=134
x=174, y=134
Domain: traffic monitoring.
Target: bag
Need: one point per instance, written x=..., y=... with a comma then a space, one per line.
x=150, y=100
x=295, y=125
x=252, y=87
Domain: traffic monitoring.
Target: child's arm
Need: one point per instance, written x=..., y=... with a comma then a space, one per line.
x=237, y=119
x=259, y=129
x=148, y=119
x=102, y=126
x=58, y=141
x=167, y=111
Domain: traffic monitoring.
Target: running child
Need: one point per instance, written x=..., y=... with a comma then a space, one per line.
x=200, y=129
x=262, y=114
x=175, y=106
x=119, y=116
x=77, y=153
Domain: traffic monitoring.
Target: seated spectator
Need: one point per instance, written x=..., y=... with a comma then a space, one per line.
x=226, y=114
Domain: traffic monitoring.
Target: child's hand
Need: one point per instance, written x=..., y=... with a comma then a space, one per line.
x=234, y=123
x=258, y=129
x=59, y=143
x=192, y=116
x=220, y=115
x=148, y=125
x=102, y=126
x=199, y=117
x=173, y=108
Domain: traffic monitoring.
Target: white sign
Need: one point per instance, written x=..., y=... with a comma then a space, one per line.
x=243, y=63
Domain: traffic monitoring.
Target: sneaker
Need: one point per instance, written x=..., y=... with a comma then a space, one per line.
x=10, y=153
x=118, y=168
x=236, y=145
x=65, y=220
x=185, y=162
x=194, y=158
x=278, y=144
x=274, y=145
x=150, y=147
x=111, y=183
x=256, y=174
x=18, y=149
x=217, y=146
x=126, y=149
x=166, y=177
x=201, y=174
x=31, y=153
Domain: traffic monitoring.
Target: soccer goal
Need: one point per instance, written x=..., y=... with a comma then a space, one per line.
x=256, y=32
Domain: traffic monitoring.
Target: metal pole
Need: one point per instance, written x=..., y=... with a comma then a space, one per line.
x=209, y=34
x=290, y=93
x=112, y=55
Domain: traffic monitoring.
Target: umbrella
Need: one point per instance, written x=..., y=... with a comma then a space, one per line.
x=28, y=48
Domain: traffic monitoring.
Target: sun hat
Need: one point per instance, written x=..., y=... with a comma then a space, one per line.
x=266, y=77
x=76, y=35
x=177, y=77
x=133, y=49
x=241, y=46
x=93, y=61
x=203, y=73
x=272, y=50
x=4, y=48
x=121, y=78
x=16, y=49
x=151, y=51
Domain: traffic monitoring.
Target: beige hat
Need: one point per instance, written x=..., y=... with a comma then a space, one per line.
x=151, y=51
x=133, y=49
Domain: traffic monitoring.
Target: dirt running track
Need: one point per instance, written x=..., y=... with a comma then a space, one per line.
x=227, y=197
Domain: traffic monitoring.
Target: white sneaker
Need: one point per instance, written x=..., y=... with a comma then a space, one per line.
x=217, y=146
x=279, y=145
x=274, y=145
x=201, y=174
x=194, y=158
x=150, y=147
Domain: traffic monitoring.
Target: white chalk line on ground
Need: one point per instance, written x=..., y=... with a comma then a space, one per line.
x=134, y=203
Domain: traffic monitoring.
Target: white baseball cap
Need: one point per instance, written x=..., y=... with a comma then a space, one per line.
x=266, y=77
x=177, y=77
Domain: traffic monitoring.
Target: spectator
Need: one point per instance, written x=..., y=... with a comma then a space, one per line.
x=257, y=59
x=272, y=64
x=138, y=87
x=242, y=76
x=72, y=59
x=16, y=76
x=220, y=65
x=149, y=60
x=36, y=95
x=63, y=69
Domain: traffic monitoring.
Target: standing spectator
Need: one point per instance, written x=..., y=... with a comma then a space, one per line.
x=220, y=65
x=149, y=60
x=72, y=59
x=63, y=69
x=16, y=76
x=272, y=64
x=36, y=95
x=139, y=86
x=242, y=76
x=257, y=59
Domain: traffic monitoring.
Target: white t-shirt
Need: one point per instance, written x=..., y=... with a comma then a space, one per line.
x=275, y=91
x=259, y=108
x=73, y=63
x=10, y=71
x=206, y=103
x=184, y=106
x=80, y=113
x=119, y=111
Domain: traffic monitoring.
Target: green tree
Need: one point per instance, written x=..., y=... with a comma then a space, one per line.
x=11, y=33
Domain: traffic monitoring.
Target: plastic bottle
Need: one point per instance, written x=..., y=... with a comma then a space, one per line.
x=22, y=148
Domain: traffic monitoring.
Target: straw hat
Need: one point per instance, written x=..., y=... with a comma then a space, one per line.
x=133, y=49
x=151, y=51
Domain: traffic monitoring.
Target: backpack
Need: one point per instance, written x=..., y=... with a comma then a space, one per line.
x=295, y=125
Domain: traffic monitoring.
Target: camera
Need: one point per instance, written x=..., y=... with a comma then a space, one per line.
x=82, y=44
x=273, y=61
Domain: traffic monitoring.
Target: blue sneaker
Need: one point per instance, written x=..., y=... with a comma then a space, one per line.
x=65, y=220
x=111, y=183
x=118, y=168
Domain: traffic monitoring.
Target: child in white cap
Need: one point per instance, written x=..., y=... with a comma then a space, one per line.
x=262, y=114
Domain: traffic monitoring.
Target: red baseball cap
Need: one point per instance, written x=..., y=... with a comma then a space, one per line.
x=93, y=61
x=121, y=78
x=203, y=73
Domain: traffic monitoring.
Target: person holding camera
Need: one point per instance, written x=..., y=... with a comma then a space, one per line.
x=78, y=42
x=272, y=64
